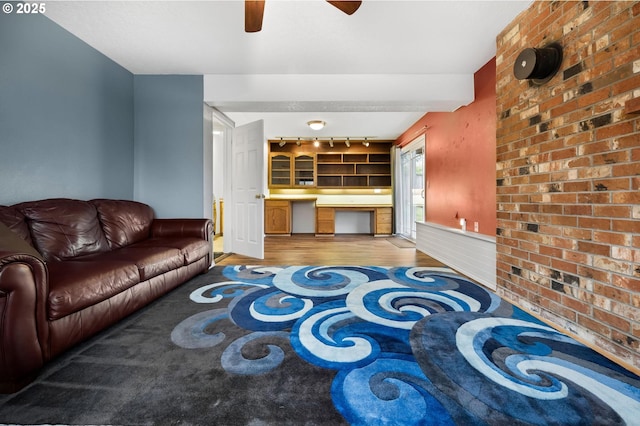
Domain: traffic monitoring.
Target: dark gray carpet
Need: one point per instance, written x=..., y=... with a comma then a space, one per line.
x=133, y=374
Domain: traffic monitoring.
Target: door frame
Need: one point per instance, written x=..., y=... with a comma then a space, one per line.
x=225, y=162
x=416, y=144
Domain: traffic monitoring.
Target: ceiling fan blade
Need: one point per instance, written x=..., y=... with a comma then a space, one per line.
x=253, y=13
x=347, y=6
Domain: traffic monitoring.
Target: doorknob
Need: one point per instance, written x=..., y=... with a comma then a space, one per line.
x=259, y=196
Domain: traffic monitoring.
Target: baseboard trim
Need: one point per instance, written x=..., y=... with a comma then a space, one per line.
x=469, y=253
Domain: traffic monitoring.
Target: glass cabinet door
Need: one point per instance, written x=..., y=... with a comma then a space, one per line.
x=304, y=170
x=280, y=170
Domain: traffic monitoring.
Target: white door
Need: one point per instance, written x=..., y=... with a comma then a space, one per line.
x=247, y=186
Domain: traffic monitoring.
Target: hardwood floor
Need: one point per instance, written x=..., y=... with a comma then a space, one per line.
x=304, y=249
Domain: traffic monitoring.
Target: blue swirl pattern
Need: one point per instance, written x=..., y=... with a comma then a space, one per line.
x=410, y=345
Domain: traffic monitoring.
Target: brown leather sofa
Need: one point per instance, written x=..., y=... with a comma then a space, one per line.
x=70, y=268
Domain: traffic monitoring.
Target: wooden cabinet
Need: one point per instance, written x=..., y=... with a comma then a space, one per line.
x=383, y=221
x=277, y=217
x=338, y=166
x=304, y=170
x=325, y=221
x=287, y=170
x=280, y=170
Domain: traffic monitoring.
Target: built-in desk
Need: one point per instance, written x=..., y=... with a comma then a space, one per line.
x=278, y=216
x=381, y=218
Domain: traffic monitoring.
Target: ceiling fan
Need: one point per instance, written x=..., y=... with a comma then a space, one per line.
x=254, y=10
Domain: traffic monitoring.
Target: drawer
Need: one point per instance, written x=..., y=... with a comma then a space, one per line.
x=325, y=227
x=383, y=218
x=276, y=203
x=384, y=229
x=325, y=213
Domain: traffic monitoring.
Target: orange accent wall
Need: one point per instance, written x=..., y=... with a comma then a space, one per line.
x=461, y=158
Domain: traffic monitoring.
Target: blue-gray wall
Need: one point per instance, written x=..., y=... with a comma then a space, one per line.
x=168, y=170
x=75, y=124
x=66, y=115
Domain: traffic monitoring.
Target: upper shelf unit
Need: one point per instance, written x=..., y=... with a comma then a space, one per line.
x=357, y=166
x=354, y=170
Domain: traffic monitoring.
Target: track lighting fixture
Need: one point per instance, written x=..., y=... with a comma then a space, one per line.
x=318, y=141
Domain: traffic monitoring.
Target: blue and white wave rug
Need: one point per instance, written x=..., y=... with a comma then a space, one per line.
x=404, y=346
x=328, y=346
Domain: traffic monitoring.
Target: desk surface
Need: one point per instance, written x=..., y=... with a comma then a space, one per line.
x=332, y=205
x=292, y=198
x=354, y=206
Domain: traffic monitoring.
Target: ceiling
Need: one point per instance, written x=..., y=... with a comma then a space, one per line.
x=373, y=73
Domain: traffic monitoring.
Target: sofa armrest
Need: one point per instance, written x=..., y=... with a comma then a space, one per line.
x=23, y=319
x=197, y=228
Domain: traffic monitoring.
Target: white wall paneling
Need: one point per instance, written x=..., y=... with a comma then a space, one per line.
x=469, y=253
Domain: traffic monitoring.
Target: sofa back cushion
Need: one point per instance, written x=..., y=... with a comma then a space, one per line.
x=124, y=222
x=15, y=221
x=62, y=229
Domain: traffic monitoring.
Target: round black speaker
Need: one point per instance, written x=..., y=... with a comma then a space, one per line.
x=538, y=65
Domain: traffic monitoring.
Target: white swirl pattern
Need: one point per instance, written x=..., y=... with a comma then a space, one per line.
x=323, y=345
x=308, y=304
x=476, y=329
x=471, y=332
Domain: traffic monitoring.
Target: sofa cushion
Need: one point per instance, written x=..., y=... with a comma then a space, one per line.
x=150, y=261
x=124, y=222
x=75, y=285
x=63, y=229
x=192, y=249
x=15, y=221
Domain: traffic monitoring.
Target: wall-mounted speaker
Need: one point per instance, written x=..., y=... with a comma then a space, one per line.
x=538, y=64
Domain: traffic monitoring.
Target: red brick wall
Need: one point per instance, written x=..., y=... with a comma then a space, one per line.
x=568, y=173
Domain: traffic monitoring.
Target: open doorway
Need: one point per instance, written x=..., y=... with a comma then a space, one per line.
x=238, y=187
x=222, y=134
